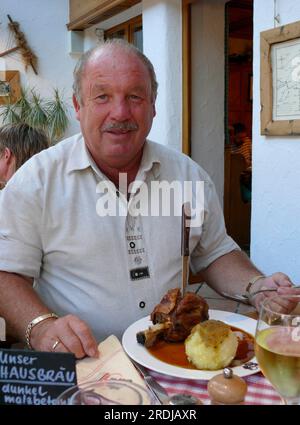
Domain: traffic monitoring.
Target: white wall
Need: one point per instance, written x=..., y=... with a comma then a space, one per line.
x=275, y=229
x=208, y=17
x=44, y=25
x=162, y=35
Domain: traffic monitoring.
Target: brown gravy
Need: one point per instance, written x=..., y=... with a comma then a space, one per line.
x=174, y=352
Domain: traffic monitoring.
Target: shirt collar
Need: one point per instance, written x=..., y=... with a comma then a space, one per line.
x=80, y=158
x=150, y=161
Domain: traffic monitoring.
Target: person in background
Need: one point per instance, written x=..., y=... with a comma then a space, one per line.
x=18, y=143
x=71, y=276
x=242, y=143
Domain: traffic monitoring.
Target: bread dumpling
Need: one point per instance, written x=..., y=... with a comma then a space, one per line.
x=211, y=345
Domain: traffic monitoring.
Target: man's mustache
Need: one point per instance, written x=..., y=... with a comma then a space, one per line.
x=122, y=126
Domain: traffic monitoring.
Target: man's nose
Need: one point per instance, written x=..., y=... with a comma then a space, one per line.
x=120, y=110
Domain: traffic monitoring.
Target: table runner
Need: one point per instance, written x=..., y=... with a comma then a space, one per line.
x=259, y=391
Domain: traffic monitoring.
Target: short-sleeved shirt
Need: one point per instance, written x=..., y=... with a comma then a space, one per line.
x=109, y=270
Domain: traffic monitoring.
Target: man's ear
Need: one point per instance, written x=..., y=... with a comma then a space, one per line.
x=76, y=107
x=154, y=109
x=7, y=155
x=8, y=164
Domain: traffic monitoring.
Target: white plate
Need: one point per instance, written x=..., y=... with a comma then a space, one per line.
x=141, y=355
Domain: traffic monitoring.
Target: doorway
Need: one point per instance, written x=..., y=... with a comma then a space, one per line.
x=238, y=119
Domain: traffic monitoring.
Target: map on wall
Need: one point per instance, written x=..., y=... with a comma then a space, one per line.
x=285, y=58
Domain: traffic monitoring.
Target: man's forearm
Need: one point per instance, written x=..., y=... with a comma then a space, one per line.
x=19, y=303
x=231, y=273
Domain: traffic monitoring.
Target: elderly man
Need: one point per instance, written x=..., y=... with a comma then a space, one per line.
x=94, y=274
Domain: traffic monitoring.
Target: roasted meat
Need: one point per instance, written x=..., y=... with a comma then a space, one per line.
x=167, y=305
x=177, y=315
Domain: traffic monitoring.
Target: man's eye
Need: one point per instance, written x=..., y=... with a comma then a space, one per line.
x=102, y=97
x=135, y=97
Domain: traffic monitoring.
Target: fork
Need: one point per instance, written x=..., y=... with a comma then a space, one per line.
x=269, y=290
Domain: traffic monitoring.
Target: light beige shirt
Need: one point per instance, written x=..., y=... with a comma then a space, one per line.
x=110, y=271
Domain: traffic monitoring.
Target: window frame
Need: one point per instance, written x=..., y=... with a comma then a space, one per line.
x=128, y=27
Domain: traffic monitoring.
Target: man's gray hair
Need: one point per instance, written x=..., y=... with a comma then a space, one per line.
x=111, y=44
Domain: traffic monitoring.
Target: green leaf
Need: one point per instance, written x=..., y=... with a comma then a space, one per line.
x=23, y=105
x=9, y=114
x=51, y=115
x=58, y=120
x=37, y=117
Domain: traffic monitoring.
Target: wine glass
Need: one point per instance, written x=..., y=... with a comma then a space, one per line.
x=106, y=392
x=277, y=345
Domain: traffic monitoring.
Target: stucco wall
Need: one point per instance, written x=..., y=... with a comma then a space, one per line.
x=162, y=44
x=275, y=233
x=208, y=88
x=46, y=33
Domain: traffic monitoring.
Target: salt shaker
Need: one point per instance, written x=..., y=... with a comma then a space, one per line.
x=227, y=388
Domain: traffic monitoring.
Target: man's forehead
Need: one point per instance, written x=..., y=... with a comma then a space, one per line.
x=110, y=55
x=100, y=84
x=103, y=66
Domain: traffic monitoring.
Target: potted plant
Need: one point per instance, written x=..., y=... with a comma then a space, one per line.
x=49, y=114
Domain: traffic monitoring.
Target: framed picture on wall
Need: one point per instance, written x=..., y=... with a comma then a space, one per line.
x=10, y=89
x=4, y=88
x=280, y=80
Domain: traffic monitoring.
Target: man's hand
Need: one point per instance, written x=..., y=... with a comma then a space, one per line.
x=73, y=336
x=283, y=286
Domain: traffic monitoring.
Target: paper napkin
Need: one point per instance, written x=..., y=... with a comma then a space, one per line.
x=112, y=363
x=2, y=329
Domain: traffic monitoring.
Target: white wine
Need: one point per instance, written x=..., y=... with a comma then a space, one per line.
x=278, y=354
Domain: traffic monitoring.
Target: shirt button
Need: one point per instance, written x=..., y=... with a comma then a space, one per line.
x=142, y=304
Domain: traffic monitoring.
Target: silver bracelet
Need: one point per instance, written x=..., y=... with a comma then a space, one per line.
x=252, y=282
x=245, y=298
x=33, y=323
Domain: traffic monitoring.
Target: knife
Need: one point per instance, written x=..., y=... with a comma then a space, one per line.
x=185, y=247
x=156, y=389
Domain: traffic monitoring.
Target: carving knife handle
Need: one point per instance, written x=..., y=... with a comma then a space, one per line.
x=185, y=229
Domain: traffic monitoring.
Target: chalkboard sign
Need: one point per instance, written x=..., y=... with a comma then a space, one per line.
x=33, y=377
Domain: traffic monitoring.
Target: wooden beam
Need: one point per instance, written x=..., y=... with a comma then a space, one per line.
x=7, y=52
x=90, y=12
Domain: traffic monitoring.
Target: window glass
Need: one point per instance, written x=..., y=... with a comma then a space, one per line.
x=138, y=37
x=132, y=31
x=117, y=34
